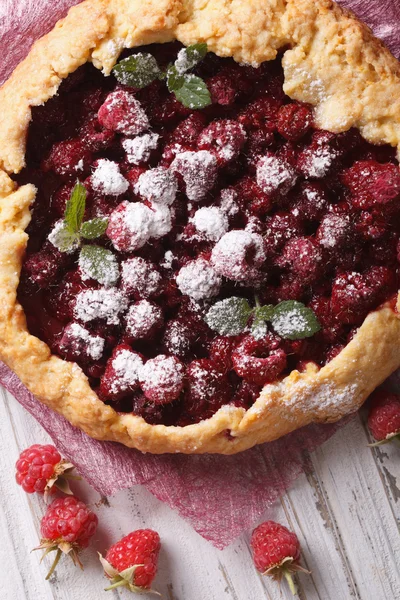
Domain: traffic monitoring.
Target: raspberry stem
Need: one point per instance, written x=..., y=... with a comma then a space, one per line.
x=289, y=578
x=54, y=565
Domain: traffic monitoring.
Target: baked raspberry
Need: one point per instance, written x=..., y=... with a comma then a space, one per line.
x=239, y=255
x=199, y=280
x=161, y=379
x=140, y=149
x=129, y=227
x=294, y=120
x=250, y=199
x=144, y=318
x=259, y=361
x=158, y=185
x=188, y=131
x=259, y=142
x=121, y=376
x=275, y=175
x=335, y=232
x=312, y=201
x=137, y=551
x=317, y=159
x=61, y=298
x=60, y=198
x=371, y=183
x=208, y=386
x=67, y=527
x=70, y=157
x=210, y=222
x=133, y=176
x=78, y=344
x=107, y=178
x=184, y=335
x=123, y=113
x=355, y=294
x=224, y=139
x=246, y=394
x=303, y=258
x=221, y=352
x=140, y=278
x=95, y=137
x=222, y=89
x=260, y=114
x=162, y=219
x=331, y=328
x=384, y=416
x=106, y=305
x=41, y=469
x=43, y=267
x=198, y=171
x=168, y=111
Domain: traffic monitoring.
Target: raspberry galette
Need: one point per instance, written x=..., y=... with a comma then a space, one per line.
x=200, y=220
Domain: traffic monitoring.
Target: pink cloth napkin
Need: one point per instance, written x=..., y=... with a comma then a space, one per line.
x=220, y=496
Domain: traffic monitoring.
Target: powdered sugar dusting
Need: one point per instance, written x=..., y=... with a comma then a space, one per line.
x=289, y=323
x=318, y=161
x=139, y=149
x=126, y=365
x=158, y=185
x=161, y=220
x=60, y=237
x=94, y=343
x=107, y=304
x=198, y=280
x=229, y=202
x=142, y=317
x=140, y=277
x=108, y=179
x=211, y=222
x=274, y=174
x=198, y=170
x=130, y=226
x=108, y=275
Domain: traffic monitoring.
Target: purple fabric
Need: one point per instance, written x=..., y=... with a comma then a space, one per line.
x=220, y=496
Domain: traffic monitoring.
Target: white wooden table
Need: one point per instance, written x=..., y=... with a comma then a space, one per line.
x=345, y=510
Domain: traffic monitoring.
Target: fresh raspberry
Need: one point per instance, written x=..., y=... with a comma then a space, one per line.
x=276, y=552
x=355, y=294
x=208, y=386
x=121, y=376
x=70, y=157
x=143, y=320
x=96, y=137
x=260, y=114
x=303, y=258
x=199, y=280
x=133, y=176
x=317, y=159
x=132, y=562
x=41, y=469
x=188, y=131
x=371, y=183
x=335, y=232
x=161, y=379
x=331, y=327
x=294, y=120
x=67, y=528
x=140, y=278
x=224, y=138
x=384, y=417
x=275, y=175
x=239, y=255
x=123, y=113
x=198, y=170
x=129, y=226
x=259, y=361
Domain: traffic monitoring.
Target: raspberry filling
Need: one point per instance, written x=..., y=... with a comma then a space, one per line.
x=242, y=203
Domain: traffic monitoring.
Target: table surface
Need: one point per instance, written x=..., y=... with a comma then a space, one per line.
x=345, y=510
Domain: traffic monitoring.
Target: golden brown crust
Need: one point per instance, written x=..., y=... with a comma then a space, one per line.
x=335, y=64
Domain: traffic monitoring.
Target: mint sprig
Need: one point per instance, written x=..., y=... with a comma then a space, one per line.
x=94, y=228
x=75, y=208
x=290, y=319
x=100, y=264
x=139, y=70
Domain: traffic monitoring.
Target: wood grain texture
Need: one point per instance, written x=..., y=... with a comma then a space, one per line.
x=345, y=509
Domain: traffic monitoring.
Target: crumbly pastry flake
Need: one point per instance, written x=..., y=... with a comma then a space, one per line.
x=352, y=82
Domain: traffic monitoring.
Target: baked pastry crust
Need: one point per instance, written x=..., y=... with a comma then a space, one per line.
x=334, y=63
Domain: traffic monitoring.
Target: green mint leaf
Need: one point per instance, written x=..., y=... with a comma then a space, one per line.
x=193, y=92
x=100, y=264
x=63, y=238
x=75, y=209
x=174, y=80
x=229, y=316
x=261, y=314
x=292, y=320
x=137, y=71
x=94, y=228
x=189, y=57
